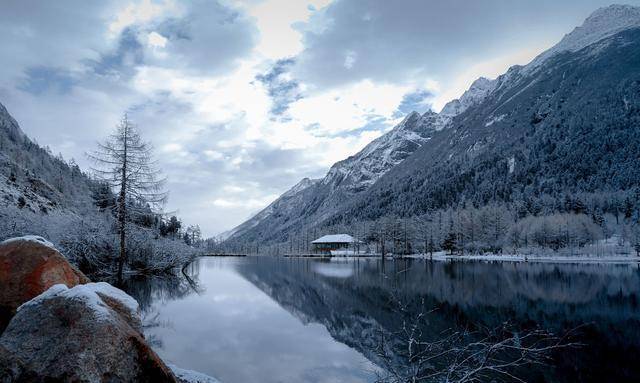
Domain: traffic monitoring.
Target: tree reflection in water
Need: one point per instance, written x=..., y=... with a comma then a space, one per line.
x=371, y=306
x=365, y=302
x=153, y=289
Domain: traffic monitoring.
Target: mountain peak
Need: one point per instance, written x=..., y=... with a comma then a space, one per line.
x=602, y=23
x=478, y=90
x=409, y=120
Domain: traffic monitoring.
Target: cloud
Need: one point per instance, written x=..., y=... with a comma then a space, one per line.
x=52, y=34
x=122, y=62
x=403, y=42
x=416, y=101
x=208, y=39
x=281, y=88
x=241, y=99
x=40, y=79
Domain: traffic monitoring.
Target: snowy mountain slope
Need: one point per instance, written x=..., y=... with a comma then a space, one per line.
x=281, y=204
x=319, y=198
x=360, y=171
x=34, y=180
x=491, y=113
x=9, y=126
x=476, y=93
x=357, y=173
x=570, y=127
x=602, y=23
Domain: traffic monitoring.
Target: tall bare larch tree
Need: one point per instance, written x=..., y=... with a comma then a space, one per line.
x=125, y=162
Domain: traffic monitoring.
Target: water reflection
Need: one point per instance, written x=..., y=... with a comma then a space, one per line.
x=286, y=320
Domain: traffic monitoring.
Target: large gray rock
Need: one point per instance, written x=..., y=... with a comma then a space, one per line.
x=88, y=333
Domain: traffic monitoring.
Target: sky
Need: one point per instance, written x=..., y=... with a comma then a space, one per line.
x=243, y=99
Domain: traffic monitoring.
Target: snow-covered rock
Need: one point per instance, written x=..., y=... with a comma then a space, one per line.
x=87, y=333
x=476, y=93
x=100, y=297
x=190, y=376
x=30, y=238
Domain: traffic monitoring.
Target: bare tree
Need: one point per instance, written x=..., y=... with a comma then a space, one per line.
x=461, y=356
x=125, y=162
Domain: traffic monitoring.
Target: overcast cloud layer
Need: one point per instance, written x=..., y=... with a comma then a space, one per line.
x=242, y=99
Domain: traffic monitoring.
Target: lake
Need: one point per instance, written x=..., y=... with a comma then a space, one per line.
x=272, y=319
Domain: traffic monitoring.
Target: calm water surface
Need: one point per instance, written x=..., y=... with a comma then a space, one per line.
x=262, y=319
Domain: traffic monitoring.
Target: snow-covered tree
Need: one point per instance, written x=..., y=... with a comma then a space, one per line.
x=125, y=162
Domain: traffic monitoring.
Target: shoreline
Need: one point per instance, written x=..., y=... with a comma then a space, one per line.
x=620, y=259
x=583, y=259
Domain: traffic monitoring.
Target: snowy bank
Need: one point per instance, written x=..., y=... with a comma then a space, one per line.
x=189, y=376
x=550, y=258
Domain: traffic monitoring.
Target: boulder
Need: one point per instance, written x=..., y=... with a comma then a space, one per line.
x=28, y=267
x=88, y=333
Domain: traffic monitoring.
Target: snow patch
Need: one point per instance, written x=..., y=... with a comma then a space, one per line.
x=512, y=164
x=191, y=376
x=495, y=119
x=476, y=93
x=602, y=23
x=30, y=238
x=90, y=294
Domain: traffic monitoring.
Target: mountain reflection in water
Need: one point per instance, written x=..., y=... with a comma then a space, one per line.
x=290, y=320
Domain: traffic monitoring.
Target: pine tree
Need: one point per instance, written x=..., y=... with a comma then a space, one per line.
x=450, y=242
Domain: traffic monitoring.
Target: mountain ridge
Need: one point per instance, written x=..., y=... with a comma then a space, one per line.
x=451, y=124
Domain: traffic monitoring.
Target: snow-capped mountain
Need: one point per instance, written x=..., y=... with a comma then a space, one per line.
x=424, y=162
x=357, y=173
x=284, y=203
x=602, y=23
x=360, y=171
x=476, y=93
x=347, y=177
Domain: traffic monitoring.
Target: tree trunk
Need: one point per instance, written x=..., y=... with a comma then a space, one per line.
x=122, y=212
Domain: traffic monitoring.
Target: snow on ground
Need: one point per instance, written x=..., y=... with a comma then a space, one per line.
x=30, y=238
x=550, y=258
x=91, y=294
x=191, y=376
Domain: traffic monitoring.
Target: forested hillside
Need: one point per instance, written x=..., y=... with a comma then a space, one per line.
x=42, y=194
x=571, y=127
x=546, y=156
